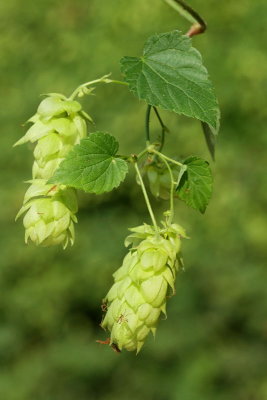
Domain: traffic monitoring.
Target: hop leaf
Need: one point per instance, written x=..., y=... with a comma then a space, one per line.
x=195, y=184
x=93, y=165
x=170, y=74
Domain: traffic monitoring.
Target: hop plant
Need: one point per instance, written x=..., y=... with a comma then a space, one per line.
x=58, y=125
x=139, y=293
x=169, y=75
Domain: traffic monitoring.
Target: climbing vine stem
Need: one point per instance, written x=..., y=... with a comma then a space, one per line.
x=148, y=113
x=164, y=129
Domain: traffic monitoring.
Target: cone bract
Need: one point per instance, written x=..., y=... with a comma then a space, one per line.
x=138, y=295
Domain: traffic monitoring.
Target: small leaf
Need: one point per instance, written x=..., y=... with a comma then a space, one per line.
x=195, y=186
x=92, y=165
x=171, y=75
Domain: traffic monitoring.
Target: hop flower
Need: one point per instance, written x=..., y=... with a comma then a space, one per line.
x=138, y=296
x=50, y=214
x=58, y=125
x=159, y=180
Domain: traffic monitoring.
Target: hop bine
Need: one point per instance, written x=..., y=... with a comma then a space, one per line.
x=139, y=293
x=57, y=126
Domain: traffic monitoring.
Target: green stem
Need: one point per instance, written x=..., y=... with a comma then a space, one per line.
x=171, y=192
x=172, y=187
x=167, y=158
x=152, y=216
x=164, y=128
x=118, y=82
x=103, y=79
x=141, y=154
x=148, y=113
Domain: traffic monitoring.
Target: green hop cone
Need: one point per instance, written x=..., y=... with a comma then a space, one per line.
x=159, y=179
x=58, y=125
x=138, y=295
x=49, y=152
x=49, y=214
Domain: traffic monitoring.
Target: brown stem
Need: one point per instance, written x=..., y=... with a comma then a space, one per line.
x=195, y=30
x=199, y=26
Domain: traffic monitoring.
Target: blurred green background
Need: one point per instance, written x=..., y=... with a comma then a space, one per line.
x=214, y=343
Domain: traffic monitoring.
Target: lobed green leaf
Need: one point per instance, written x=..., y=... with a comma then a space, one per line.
x=195, y=184
x=92, y=165
x=170, y=74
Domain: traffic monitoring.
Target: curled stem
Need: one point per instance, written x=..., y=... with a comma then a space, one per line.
x=152, y=216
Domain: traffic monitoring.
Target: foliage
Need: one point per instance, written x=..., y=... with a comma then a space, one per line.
x=93, y=166
x=170, y=74
x=195, y=183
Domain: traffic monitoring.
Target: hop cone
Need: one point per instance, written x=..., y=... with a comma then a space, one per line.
x=138, y=295
x=159, y=180
x=50, y=214
x=57, y=126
